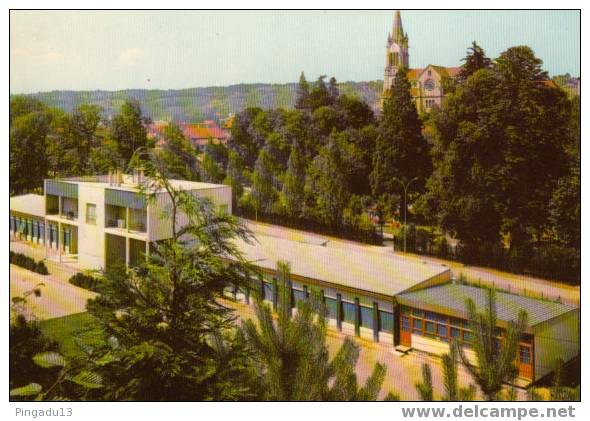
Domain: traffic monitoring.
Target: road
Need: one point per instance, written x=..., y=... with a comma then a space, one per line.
x=521, y=284
x=58, y=298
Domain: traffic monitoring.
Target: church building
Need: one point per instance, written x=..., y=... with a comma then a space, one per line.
x=427, y=83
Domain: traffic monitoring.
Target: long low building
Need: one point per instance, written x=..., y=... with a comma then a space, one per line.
x=415, y=305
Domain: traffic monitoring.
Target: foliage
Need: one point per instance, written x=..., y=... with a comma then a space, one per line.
x=85, y=281
x=475, y=60
x=29, y=263
x=29, y=125
x=128, y=130
x=27, y=339
x=179, y=155
x=424, y=388
x=293, y=356
x=495, y=357
x=175, y=337
x=453, y=392
x=401, y=152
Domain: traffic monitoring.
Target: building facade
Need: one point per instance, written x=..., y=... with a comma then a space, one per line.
x=412, y=304
x=427, y=84
x=101, y=220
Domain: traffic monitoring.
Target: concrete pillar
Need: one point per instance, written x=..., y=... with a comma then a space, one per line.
x=375, y=321
x=396, y=321
x=290, y=299
x=127, y=252
x=275, y=294
x=247, y=294
x=306, y=292
x=29, y=223
x=261, y=289
x=59, y=240
x=127, y=219
x=339, y=311
x=357, y=317
x=59, y=205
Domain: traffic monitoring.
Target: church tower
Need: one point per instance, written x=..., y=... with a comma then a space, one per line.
x=397, y=52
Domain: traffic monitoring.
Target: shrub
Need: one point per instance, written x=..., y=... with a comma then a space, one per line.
x=28, y=263
x=85, y=281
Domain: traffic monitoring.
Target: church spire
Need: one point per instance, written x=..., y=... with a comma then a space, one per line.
x=398, y=30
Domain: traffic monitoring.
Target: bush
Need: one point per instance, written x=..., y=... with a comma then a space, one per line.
x=28, y=263
x=85, y=281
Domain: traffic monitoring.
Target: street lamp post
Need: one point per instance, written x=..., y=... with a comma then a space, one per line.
x=406, y=186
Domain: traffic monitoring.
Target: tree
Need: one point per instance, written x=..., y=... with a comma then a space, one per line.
x=235, y=176
x=475, y=60
x=302, y=99
x=29, y=125
x=333, y=90
x=128, y=130
x=494, y=351
x=264, y=181
x=327, y=181
x=424, y=388
x=293, y=356
x=176, y=340
x=401, y=152
x=179, y=155
x=453, y=392
x=294, y=185
x=319, y=95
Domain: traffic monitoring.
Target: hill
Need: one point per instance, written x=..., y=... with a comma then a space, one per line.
x=196, y=104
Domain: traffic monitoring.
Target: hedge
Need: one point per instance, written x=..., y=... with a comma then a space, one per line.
x=26, y=262
x=85, y=281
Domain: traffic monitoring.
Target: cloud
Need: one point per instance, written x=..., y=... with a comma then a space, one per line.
x=130, y=57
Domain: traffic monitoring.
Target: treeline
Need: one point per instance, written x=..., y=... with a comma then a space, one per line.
x=496, y=170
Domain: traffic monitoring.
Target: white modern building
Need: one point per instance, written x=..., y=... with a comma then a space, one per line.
x=101, y=220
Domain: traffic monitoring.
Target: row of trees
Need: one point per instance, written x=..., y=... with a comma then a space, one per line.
x=497, y=168
x=166, y=332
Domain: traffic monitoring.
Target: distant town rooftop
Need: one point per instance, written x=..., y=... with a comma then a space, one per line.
x=383, y=274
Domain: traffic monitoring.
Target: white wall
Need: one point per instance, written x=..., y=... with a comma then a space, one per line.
x=434, y=346
x=557, y=338
x=160, y=228
x=91, y=238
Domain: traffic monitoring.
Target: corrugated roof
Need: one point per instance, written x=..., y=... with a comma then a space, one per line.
x=31, y=204
x=450, y=298
x=368, y=271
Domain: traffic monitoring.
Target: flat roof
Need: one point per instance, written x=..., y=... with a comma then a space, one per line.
x=369, y=271
x=31, y=204
x=129, y=184
x=450, y=299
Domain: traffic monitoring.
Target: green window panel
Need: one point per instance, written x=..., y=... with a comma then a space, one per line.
x=60, y=188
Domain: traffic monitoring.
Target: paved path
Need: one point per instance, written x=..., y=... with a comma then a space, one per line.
x=521, y=284
x=58, y=298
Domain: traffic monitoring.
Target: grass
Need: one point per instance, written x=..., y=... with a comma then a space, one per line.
x=72, y=333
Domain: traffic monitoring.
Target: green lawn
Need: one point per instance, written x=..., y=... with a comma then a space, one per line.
x=71, y=331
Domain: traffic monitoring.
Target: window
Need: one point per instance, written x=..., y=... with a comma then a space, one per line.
x=525, y=354
x=430, y=327
x=91, y=213
x=386, y=321
x=331, y=307
x=348, y=310
x=405, y=324
x=417, y=324
x=367, y=317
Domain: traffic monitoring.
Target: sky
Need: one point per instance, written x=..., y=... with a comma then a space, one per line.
x=113, y=50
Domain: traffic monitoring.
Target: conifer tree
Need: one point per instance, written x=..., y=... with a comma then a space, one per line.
x=401, y=152
x=424, y=388
x=333, y=90
x=294, y=183
x=475, y=60
x=293, y=354
x=302, y=99
x=453, y=392
x=495, y=357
